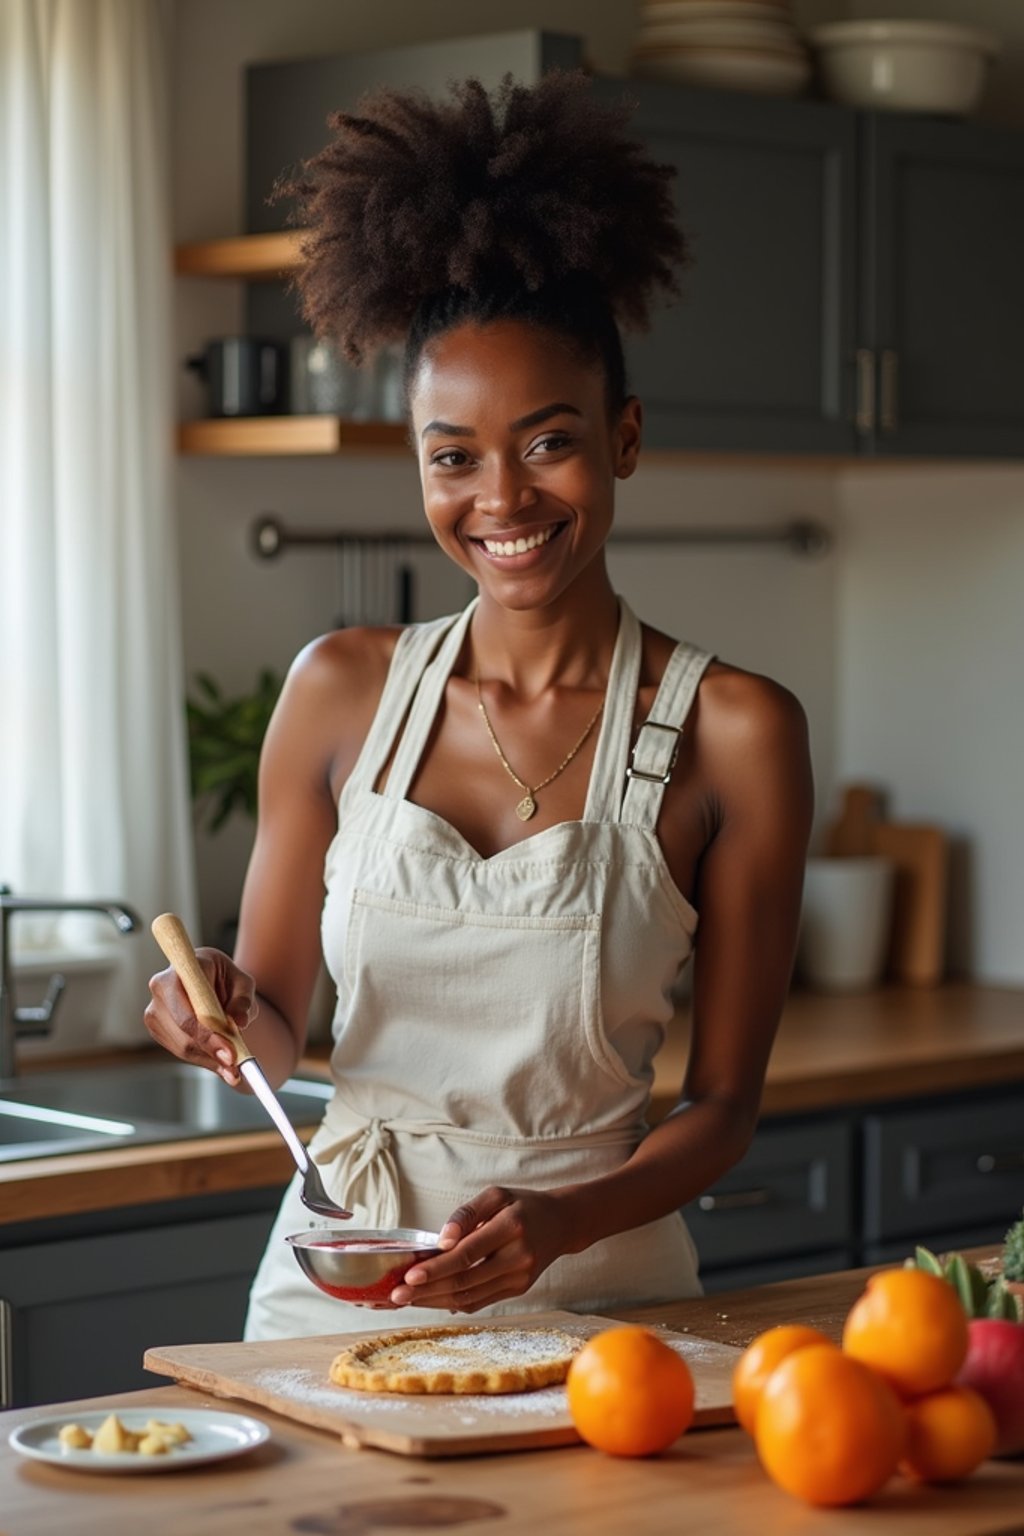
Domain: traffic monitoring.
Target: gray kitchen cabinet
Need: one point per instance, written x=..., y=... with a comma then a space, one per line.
x=739, y=1277
x=864, y=1186
x=941, y=314
x=855, y=279
x=759, y=352
x=77, y=1313
x=792, y=1193
x=945, y=1164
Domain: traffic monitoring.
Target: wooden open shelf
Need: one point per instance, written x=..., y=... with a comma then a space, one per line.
x=250, y=436
x=251, y=257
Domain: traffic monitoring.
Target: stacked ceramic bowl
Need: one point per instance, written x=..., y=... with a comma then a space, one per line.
x=743, y=45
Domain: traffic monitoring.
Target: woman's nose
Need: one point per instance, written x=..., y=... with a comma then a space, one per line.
x=503, y=489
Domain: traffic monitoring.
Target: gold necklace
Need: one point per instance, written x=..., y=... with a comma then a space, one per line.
x=528, y=804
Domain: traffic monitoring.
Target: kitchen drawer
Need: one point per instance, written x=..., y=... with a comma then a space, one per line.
x=740, y=1276
x=958, y=1164
x=953, y=1240
x=791, y=1193
x=78, y=1315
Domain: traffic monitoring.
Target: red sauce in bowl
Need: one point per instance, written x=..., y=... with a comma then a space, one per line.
x=381, y=1288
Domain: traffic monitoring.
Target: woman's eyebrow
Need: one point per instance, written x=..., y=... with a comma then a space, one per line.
x=535, y=418
x=445, y=429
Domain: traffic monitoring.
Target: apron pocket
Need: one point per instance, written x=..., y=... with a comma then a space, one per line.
x=425, y=983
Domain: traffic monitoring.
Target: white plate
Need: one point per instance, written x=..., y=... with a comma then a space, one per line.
x=214, y=1437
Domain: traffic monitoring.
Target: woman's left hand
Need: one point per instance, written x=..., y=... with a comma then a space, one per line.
x=496, y=1246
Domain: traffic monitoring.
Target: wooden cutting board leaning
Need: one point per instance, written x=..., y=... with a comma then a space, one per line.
x=920, y=852
x=290, y=1377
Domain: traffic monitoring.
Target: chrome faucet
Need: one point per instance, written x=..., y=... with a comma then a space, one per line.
x=17, y=1021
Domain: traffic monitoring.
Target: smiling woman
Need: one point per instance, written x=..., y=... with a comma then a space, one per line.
x=519, y=811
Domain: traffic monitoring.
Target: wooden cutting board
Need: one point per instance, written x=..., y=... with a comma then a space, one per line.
x=920, y=852
x=290, y=1377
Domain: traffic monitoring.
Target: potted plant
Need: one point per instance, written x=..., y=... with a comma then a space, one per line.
x=224, y=739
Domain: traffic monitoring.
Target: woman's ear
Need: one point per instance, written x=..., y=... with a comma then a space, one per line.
x=628, y=436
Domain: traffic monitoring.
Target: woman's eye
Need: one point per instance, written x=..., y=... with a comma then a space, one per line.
x=552, y=442
x=451, y=458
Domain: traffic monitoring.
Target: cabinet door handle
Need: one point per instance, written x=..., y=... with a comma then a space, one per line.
x=734, y=1199
x=889, y=390
x=1009, y=1162
x=6, y=1356
x=864, y=419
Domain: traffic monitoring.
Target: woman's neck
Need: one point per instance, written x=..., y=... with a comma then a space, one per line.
x=566, y=644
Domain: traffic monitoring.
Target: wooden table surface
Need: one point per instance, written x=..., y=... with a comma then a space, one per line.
x=306, y=1481
x=831, y=1051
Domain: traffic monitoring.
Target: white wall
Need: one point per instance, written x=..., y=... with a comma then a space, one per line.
x=839, y=631
x=931, y=678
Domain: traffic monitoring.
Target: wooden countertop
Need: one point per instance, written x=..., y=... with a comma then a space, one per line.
x=831, y=1051
x=888, y=1044
x=306, y=1480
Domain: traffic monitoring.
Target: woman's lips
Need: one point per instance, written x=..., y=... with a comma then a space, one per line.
x=519, y=548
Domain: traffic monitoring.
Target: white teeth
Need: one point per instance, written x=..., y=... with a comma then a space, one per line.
x=517, y=546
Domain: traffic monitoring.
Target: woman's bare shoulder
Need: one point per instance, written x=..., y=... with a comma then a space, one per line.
x=734, y=707
x=345, y=663
x=330, y=697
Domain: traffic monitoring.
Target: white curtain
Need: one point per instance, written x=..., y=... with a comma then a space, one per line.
x=93, y=779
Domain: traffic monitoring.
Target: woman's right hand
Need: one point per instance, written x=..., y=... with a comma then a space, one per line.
x=171, y=1019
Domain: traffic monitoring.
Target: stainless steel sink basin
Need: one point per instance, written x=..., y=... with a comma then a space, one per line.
x=29, y=1130
x=154, y=1101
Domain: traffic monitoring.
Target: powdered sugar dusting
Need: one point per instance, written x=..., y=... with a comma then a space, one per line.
x=302, y=1386
x=483, y=1349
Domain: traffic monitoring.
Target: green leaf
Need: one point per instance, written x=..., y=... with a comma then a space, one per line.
x=928, y=1261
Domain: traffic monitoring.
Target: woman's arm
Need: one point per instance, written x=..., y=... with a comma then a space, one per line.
x=754, y=751
x=311, y=745
x=749, y=889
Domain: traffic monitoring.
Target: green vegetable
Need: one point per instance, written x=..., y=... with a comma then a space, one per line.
x=979, y=1295
x=1013, y=1251
x=224, y=739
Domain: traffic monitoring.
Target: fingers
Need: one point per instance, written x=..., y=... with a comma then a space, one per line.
x=495, y=1253
x=471, y=1215
x=172, y=1022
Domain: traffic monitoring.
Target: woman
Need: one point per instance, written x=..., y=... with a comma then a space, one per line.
x=517, y=813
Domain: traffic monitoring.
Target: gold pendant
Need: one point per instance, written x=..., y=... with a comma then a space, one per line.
x=526, y=807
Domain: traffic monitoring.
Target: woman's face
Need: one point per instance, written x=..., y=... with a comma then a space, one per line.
x=518, y=457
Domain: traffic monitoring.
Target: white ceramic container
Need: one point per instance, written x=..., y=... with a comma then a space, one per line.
x=845, y=923
x=905, y=66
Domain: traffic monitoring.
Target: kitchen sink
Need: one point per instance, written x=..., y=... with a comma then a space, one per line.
x=51, y=1112
x=30, y=1130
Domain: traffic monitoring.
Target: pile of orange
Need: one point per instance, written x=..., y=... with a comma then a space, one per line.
x=832, y=1424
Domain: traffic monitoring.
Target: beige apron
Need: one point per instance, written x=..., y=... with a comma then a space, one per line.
x=497, y=1018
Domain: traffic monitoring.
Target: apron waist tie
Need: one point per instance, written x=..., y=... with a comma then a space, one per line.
x=362, y=1165
x=361, y=1160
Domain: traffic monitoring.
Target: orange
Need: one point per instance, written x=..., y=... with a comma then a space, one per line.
x=828, y=1429
x=758, y=1361
x=911, y=1327
x=949, y=1433
x=629, y=1393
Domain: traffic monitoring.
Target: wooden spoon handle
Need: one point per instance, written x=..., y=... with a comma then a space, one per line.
x=169, y=932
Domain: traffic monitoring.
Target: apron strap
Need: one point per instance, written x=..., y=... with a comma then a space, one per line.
x=425, y=704
x=415, y=648
x=608, y=772
x=657, y=743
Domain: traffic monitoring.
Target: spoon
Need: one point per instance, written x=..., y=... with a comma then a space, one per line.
x=169, y=932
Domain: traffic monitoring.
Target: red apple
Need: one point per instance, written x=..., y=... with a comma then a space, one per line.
x=995, y=1368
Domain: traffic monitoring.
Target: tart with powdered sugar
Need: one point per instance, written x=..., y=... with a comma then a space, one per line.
x=456, y=1360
